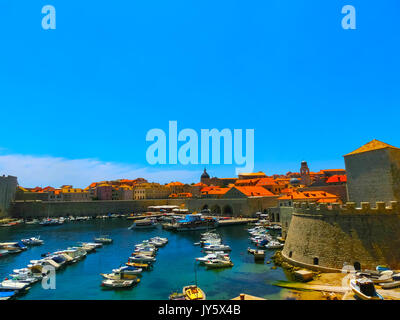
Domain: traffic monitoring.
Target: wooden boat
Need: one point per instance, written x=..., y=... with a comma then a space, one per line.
x=364, y=289
x=258, y=254
x=193, y=292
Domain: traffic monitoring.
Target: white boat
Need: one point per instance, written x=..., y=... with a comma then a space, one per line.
x=103, y=240
x=32, y=241
x=274, y=245
x=364, y=289
x=143, y=224
x=142, y=258
x=128, y=270
x=14, y=285
x=3, y=252
x=115, y=284
x=217, y=247
x=34, y=221
x=218, y=263
x=213, y=256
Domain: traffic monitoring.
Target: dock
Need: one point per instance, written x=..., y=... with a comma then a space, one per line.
x=236, y=221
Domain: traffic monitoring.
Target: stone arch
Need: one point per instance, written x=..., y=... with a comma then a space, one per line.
x=216, y=209
x=227, y=210
x=357, y=266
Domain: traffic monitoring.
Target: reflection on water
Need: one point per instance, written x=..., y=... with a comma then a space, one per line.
x=173, y=269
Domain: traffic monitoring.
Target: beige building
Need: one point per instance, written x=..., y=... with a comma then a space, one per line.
x=151, y=191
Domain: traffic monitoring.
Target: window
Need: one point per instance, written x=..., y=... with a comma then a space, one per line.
x=316, y=261
x=290, y=254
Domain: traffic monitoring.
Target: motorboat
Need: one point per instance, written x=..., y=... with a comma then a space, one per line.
x=142, y=258
x=14, y=285
x=103, y=240
x=217, y=247
x=50, y=222
x=143, y=224
x=193, y=292
x=274, y=245
x=128, y=270
x=213, y=256
x=118, y=284
x=34, y=221
x=218, y=263
x=32, y=241
x=143, y=266
x=364, y=289
x=119, y=276
x=195, y=222
x=13, y=247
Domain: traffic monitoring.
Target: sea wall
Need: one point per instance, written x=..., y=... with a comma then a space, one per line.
x=228, y=207
x=25, y=209
x=322, y=238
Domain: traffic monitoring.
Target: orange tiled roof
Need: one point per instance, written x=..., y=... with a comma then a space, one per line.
x=308, y=195
x=200, y=185
x=266, y=182
x=214, y=190
x=337, y=178
x=370, y=146
x=177, y=183
x=254, y=191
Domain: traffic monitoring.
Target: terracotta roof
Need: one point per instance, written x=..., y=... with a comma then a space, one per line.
x=307, y=195
x=177, y=183
x=370, y=146
x=266, y=182
x=254, y=191
x=200, y=185
x=337, y=178
x=214, y=190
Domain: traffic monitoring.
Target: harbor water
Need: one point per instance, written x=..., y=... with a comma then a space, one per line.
x=175, y=266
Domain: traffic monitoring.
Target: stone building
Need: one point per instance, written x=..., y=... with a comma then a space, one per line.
x=363, y=233
x=8, y=187
x=373, y=173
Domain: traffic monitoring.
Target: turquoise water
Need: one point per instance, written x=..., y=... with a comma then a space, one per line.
x=173, y=269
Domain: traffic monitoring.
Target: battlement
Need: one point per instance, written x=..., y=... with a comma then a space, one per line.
x=348, y=208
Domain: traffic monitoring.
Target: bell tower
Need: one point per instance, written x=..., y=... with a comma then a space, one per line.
x=305, y=173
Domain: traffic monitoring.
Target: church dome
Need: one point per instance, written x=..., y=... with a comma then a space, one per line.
x=294, y=181
x=205, y=175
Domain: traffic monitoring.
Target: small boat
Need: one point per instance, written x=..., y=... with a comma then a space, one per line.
x=213, y=256
x=218, y=263
x=142, y=258
x=143, y=224
x=217, y=247
x=119, y=276
x=382, y=279
x=34, y=221
x=128, y=270
x=274, y=245
x=143, y=266
x=103, y=240
x=381, y=268
x=177, y=296
x=364, y=289
x=391, y=285
x=118, y=284
x=13, y=247
x=14, y=285
x=32, y=241
x=193, y=292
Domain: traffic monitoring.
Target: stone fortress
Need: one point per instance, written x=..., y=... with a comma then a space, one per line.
x=8, y=186
x=364, y=232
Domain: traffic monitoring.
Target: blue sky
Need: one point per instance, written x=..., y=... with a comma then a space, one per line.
x=81, y=98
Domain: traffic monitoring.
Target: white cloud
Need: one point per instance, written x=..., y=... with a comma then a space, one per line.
x=46, y=170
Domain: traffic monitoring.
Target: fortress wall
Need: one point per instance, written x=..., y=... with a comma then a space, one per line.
x=369, y=236
x=369, y=175
x=26, y=209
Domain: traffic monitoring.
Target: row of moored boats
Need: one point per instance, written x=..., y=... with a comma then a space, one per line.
x=128, y=275
x=21, y=280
